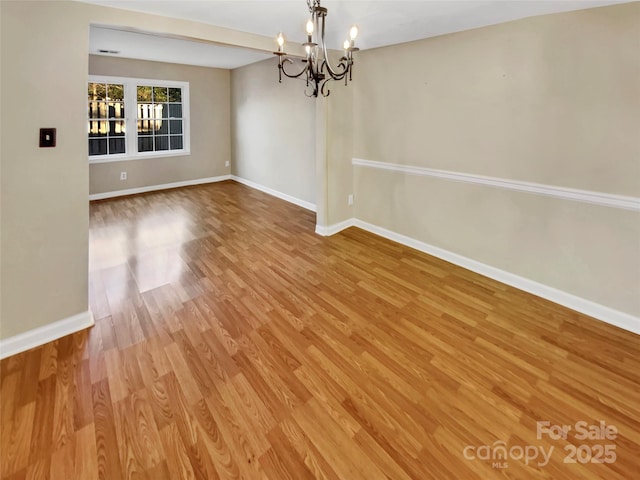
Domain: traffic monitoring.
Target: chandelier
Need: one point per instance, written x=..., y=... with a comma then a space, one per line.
x=316, y=65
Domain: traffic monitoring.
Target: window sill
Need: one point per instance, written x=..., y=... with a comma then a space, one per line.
x=139, y=156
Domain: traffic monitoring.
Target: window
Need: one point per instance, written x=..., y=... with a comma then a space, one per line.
x=159, y=119
x=130, y=118
x=106, y=119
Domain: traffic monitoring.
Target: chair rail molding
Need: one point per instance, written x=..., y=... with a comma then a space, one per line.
x=585, y=196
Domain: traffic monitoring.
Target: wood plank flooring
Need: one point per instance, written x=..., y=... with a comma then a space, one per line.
x=232, y=342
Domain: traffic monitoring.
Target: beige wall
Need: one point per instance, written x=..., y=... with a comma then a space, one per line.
x=291, y=143
x=339, y=151
x=273, y=130
x=209, y=92
x=552, y=99
x=44, y=191
x=44, y=204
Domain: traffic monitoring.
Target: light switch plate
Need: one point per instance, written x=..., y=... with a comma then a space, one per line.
x=47, y=137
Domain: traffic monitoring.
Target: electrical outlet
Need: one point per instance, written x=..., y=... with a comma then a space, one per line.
x=123, y=175
x=226, y=164
x=350, y=199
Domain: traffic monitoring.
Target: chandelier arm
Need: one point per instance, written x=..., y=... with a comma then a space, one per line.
x=333, y=75
x=326, y=64
x=288, y=60
x=323, y=90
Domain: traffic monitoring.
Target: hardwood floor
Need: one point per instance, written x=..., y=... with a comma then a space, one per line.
x=232, y=342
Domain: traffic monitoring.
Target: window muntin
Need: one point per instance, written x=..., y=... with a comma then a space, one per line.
x=131, y=118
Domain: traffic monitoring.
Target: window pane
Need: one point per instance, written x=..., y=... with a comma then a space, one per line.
x=97, y=110
x=116, y=128
x=175, y=111
x=159, y=94
x=162, y=142
x=176, y=142
x=116, y=145
x=98, y=147
x=116, y=92
x=162, y=126
x=97, y=91
x=175, y=94
x=145, y=110
x=144, y=94
x=145, y=127
x=145, y=144
x=116, y=110
x=98, y=128
x=160, y=110
x=175, y=126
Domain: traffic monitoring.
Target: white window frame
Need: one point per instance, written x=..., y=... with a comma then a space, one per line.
x=131, y=118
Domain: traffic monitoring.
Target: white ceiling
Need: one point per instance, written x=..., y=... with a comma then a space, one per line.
x=381, y=23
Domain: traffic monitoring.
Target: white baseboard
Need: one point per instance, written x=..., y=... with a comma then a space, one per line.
x=153, y=188
x=47, y=333
x=579, y=304
x=275, y=193
x=327, y=231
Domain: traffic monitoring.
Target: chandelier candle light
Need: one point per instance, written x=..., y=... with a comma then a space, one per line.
x=316, y=67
